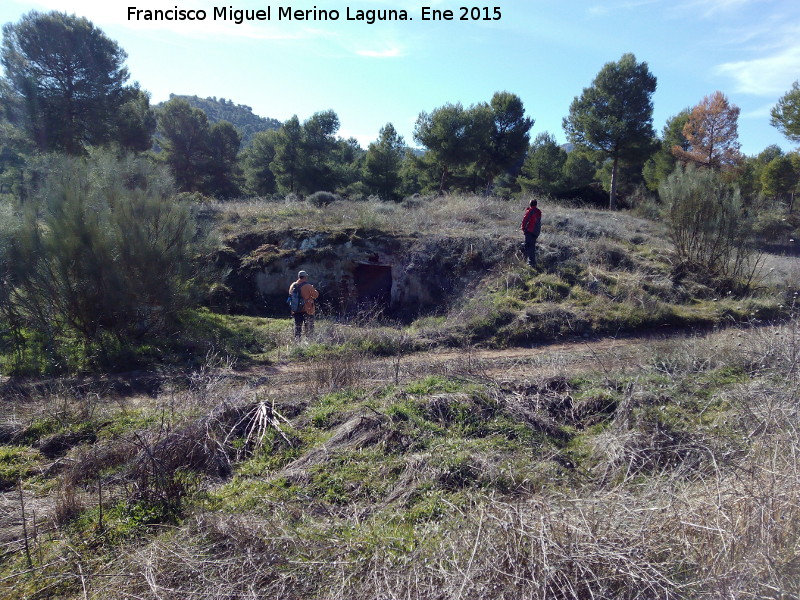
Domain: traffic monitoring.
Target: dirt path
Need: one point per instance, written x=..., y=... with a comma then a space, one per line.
x=568, y=358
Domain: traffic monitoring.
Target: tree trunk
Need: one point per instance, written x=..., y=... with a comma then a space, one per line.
x=612, y=201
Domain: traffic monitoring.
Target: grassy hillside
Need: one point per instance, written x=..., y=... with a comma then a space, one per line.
x=600, y=272
x=658, y=469
x=511, y=443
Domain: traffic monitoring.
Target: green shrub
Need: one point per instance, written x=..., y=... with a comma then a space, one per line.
x=322, y=198
x=102, y=254
x=708, y=227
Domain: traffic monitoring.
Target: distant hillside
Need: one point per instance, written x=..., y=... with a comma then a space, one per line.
x=241, y=116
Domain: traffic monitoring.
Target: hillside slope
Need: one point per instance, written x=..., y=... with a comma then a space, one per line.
x=656, y=468
x=460, y=259
x=506, y=441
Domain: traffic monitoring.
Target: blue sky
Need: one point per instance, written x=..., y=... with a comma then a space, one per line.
x=545, y=51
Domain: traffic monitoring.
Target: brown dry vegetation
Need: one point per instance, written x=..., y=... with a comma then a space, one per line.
x=504, y=448
x=661, y=468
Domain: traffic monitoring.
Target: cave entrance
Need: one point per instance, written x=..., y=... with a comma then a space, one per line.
x=373, y=284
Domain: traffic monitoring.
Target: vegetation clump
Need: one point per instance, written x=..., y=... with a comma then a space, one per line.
x=99, y=259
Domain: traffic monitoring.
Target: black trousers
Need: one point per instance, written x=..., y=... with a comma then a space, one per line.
x=302, y=320
x=530, y=248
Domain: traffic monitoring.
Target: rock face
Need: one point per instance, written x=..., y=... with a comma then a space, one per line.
x=355, y=269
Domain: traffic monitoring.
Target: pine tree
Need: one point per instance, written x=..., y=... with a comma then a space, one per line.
x=711, y=134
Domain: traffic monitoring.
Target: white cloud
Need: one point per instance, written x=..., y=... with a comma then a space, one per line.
x=760, y=113
x=767, y=76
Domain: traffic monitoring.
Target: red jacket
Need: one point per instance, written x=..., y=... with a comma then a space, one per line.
x=532, y=221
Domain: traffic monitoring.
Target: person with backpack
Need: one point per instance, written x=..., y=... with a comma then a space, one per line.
x=301, y=302
x=531, y=227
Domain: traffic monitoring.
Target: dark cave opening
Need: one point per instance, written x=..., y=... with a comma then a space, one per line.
x=373, y=284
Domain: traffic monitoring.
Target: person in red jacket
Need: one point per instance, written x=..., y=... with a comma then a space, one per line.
x=531, y=226
x=305, y=315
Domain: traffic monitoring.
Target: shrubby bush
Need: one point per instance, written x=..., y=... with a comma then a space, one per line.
x=709, y=228
x=322, y=198
x=102, y=253
x=773, y=226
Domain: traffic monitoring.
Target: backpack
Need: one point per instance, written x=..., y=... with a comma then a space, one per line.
x=295, y=300
x=537, y=227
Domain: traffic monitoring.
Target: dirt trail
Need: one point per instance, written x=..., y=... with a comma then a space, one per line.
x=569, y=358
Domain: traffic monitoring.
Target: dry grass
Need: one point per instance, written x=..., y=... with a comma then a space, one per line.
x=731, y=536
x=691, y=489
x=458, y=214
x=653, y=469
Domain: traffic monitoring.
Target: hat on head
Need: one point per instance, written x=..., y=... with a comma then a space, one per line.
x=302, y=274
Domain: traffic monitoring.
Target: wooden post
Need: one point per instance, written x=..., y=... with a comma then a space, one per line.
x=24, y=525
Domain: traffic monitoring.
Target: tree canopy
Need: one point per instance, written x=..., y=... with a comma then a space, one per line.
x=472, y=146
x=712, y=135
x=202, y=158
x=68, y=81
x=503, y=142
x=65, y=89
x=663, y=161
x=613, y=118
x=383, y=162
x=259, y=178
x=446, y=134
x=240, y=116
x=543, y=171
x=786, y=113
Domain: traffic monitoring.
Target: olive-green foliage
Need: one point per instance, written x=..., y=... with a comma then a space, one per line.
x=779, y=177
x=786, y=113
x=709, y=227
x=14, y=147
x=614, y=117
x=382, y=163
x=259, y=178
x=543, y=170
x=468, y=148
x=103, y=254
x=662, y=163
x=322, y=198
x=66, y=80
x=307, y=158
x=201, y=156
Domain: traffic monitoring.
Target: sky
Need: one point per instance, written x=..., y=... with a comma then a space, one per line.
x=545, y=51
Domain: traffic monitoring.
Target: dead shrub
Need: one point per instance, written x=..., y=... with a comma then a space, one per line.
x=68, y=504
x=330, y=373
x=199, y=446
x=89, y=462
x=168, y=463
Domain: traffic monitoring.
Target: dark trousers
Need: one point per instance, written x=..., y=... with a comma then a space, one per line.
x=530, y=248
x=300, y=320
